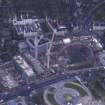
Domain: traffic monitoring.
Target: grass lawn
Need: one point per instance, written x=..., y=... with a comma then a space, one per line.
x=77, y=87
x=51, y=99
x=68, y=97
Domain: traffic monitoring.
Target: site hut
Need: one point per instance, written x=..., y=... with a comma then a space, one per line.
x=24, y=67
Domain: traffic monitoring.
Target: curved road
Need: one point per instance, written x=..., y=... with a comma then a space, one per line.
x=24, y=91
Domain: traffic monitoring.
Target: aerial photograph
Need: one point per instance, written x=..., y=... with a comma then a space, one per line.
x=52, y=52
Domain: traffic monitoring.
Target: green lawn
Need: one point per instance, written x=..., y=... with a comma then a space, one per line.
x=77, y=87
x=68, y=97
x=51, y=99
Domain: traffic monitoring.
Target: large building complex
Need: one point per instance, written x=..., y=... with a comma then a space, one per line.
x=52, y=52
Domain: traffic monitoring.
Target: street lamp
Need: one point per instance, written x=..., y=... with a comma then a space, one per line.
x=51, y=43
x=49, y=51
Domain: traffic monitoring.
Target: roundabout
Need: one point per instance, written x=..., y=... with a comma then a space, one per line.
x=63, y=93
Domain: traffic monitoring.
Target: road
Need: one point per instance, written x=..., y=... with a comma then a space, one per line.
x=38, y=86
x=23, y=91
x=87, y=20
